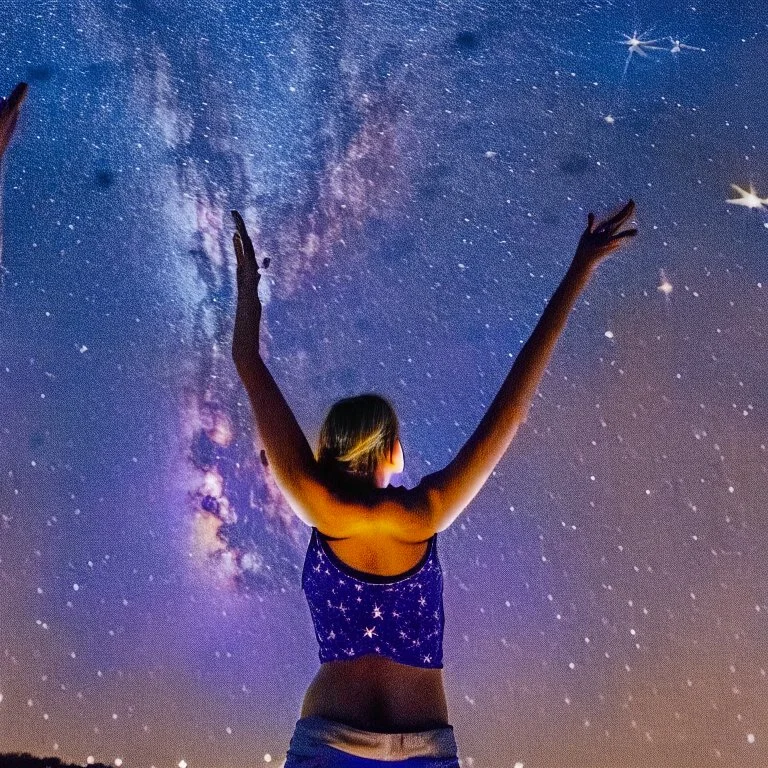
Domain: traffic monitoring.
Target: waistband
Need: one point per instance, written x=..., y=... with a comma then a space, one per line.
x=313, y=731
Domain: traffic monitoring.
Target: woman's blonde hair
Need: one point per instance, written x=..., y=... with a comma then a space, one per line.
x=358, y=435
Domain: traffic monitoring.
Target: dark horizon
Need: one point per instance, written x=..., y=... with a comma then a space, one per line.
x=26, y=760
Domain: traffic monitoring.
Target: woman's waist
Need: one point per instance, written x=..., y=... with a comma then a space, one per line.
x=376, y=693
x=377, y=669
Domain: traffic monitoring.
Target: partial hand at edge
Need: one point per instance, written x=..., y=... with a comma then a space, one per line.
x=9, y=114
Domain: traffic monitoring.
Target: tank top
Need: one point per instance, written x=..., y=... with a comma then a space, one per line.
x=356, y=613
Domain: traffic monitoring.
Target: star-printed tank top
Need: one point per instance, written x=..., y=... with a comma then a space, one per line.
x=356, y=613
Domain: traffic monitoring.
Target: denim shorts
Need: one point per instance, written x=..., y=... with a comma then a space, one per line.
x=321, y=743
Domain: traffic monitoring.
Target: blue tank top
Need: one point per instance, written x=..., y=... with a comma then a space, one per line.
x=356, y=613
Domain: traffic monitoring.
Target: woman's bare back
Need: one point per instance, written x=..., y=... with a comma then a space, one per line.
x=375, y=693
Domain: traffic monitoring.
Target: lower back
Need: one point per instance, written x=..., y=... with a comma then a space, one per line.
x=375, y=693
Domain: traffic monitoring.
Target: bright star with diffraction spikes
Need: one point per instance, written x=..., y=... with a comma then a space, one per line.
x=749, y=199
x=637, y=45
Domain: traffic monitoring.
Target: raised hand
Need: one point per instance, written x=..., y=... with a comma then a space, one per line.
x=245, y=339
x=247, y=268
x=595, y=245
x=9, y=114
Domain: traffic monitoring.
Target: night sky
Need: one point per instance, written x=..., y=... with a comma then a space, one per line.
x=419, y=174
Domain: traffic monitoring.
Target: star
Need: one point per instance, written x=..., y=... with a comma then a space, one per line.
x=369, y=632
x=666, y=286
x=749, y=199
x=677, y=45
x=377, y=614
x=637, y=45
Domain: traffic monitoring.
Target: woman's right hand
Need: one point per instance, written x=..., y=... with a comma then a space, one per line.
x=595, y=245
x=9, y=114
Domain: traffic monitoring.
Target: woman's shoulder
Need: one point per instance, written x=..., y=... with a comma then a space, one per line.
x=393, y=512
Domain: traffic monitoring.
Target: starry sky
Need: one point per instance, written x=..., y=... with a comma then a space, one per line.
x=419, y=174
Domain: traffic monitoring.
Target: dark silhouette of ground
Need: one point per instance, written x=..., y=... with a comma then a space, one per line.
x=25, y=760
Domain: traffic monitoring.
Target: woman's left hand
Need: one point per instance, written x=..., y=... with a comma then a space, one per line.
x=9, y=114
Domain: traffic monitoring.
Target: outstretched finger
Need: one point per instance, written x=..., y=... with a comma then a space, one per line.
x=10, y=123
x=626, y=233
x=18, y=94
x=618, y=218
x=243, y=232
x=238, y=243
x=238, y=219
x=9, y=107
x=240, y=224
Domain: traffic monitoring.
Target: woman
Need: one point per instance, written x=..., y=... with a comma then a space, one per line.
x=371, y=575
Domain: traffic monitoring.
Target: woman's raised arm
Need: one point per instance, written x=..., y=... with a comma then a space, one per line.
x=286, y=447
x=452, y=488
